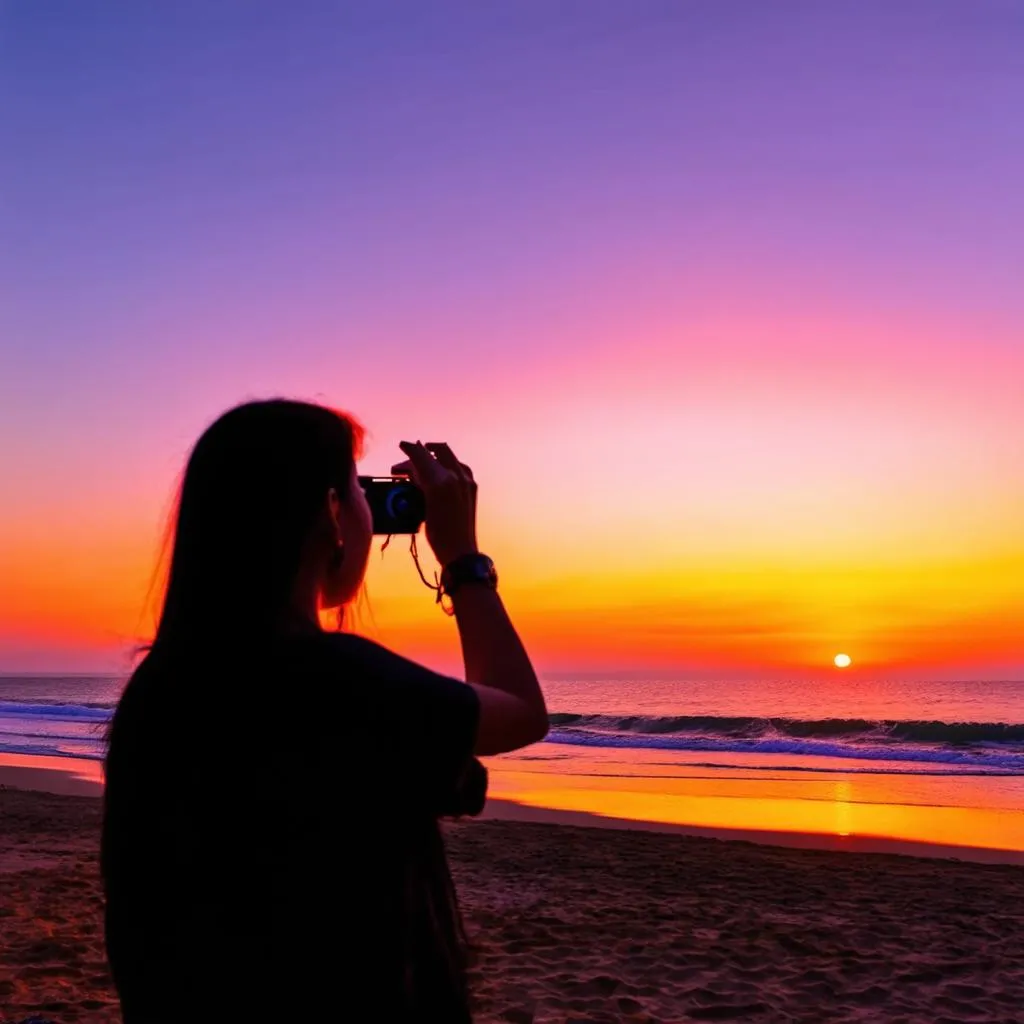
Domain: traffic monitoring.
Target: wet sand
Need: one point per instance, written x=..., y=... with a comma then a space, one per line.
x=582, y=924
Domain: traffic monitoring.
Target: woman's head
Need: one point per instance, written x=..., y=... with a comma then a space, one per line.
x=271, y=523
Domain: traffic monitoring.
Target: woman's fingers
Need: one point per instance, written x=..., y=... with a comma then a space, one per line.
x=443, y=453
x=451, y=497
x=427, y=463
x=423, y=468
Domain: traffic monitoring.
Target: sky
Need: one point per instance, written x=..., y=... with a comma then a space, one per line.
x=721, y=300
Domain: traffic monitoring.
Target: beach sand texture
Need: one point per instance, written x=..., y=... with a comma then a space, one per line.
x=575, y=924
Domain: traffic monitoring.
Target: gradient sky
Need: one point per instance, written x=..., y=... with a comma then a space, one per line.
x=722, y=300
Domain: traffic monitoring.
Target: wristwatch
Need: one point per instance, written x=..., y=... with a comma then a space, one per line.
x=469, y=569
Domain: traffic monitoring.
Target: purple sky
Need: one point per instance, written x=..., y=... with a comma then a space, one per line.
x=435, y=211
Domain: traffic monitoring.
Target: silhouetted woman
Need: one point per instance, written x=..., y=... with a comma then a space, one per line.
x=271, y=849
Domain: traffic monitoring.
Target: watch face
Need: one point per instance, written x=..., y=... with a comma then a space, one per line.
x=473, y=569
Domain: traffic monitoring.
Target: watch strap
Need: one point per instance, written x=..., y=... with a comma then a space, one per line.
x=472, y=569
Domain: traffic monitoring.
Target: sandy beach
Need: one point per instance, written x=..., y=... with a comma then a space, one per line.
x=580, y=924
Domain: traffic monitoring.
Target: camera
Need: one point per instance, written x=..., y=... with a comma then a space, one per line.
x=397, y=504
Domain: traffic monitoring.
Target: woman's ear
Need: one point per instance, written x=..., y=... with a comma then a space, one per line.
x=334, y=511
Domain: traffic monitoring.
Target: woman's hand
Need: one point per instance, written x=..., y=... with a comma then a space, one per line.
x=450, y=493
x=512, y=709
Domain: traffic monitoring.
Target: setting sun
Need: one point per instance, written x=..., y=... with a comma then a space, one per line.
x=843, y=661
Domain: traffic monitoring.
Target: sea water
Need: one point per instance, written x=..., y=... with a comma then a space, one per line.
x=929, y=761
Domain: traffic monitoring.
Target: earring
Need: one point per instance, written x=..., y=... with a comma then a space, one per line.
x=337, y=557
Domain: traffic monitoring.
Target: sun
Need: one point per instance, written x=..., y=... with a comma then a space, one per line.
x=843, y=661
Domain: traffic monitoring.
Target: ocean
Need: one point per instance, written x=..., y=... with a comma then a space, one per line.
x=939, y=762
x=855, y=726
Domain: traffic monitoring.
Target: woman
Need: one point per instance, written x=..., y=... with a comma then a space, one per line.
x=271, y=849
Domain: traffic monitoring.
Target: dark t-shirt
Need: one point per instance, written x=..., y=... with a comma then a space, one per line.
x=271, y=848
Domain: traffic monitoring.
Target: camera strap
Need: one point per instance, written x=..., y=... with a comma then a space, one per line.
x=435, y=586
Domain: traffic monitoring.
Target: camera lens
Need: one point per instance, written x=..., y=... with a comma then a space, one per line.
x=398, y=503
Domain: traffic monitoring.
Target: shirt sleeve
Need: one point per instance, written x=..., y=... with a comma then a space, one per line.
x=424, y=725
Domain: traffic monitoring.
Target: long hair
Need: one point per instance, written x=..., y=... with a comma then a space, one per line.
x=253, y=486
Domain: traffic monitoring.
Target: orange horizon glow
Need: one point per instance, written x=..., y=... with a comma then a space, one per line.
x=901, y=621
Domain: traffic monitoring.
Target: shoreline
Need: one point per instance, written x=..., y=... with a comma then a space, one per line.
x=507, y=810
x=82, y=777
